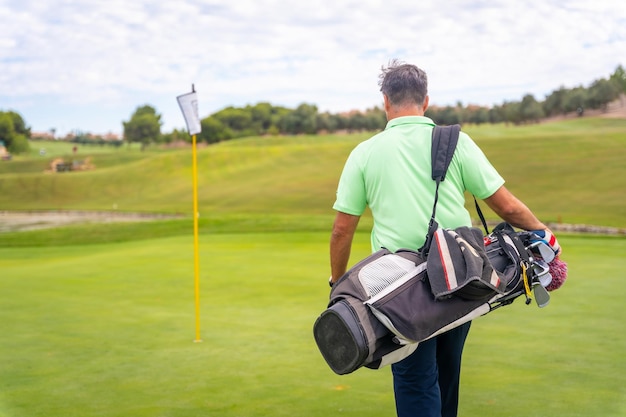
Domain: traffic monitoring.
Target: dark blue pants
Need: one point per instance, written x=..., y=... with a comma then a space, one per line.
x=426, y=383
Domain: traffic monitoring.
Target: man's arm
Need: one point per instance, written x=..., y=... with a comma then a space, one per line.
x=513, y=211
x=341, y=243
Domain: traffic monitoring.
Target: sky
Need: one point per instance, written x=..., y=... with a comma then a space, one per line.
x=87, y=65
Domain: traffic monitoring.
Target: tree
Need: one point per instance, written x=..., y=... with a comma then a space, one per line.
x=143, y=127
x=261, y=114
x=213, y=130
x=496, y=114
x=301, y=120
x=554, y=104
x=530, y=109
x=477, y=114
x=602, y=92
x=511, y=111
x=444, y=115
x=7, y=131
x=176, y=136
x=377, y=118
x=13, y=132
x=327, y=122
x=574, y=100
x=357, y=121
x=19, y=124
x=236, y=119
x=619, y=77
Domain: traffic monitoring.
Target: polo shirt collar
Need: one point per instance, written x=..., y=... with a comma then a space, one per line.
x=404, y=120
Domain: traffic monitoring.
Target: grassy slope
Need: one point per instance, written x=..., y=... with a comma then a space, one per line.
x=571, y=171
x=245, y=176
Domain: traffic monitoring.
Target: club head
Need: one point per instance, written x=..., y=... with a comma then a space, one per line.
x=541, y=248
x=541, y=295
x=539, y=268
x=545, y=279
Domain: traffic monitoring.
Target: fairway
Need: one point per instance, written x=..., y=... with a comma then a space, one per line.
x=108, y=329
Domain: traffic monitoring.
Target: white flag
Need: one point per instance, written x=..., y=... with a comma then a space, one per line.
x=189, y=105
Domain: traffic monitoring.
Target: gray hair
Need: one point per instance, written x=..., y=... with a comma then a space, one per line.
x=404, y=84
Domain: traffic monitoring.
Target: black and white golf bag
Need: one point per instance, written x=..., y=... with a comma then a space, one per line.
x=386, y=304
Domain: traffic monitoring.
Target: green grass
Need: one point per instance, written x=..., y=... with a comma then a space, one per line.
x=108, y=330
x=94, y=233
x=563, y=359
x=34, y=162
x=569, y=172
x=98, y=319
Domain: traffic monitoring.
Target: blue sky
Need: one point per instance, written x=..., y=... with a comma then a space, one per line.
x=88, y=65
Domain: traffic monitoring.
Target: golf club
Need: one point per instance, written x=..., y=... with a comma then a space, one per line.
x=541, y=248
x=542, y=296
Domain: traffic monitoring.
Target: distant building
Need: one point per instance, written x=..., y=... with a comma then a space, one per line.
x=74, y=135
x=111, y=136
x=42, y=136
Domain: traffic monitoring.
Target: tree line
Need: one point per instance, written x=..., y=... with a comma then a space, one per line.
x=265, y=119
x=144, y=125
x=562, y=101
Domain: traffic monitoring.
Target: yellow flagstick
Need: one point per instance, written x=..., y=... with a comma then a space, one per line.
x=189, y=105
x=195, y=238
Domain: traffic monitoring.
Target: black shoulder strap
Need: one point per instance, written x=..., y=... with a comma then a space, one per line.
x=444, y=142
x=480, y=214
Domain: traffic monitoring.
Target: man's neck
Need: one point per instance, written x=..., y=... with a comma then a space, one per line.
x=404, y=111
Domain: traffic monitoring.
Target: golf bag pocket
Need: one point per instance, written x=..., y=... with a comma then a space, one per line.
x=411, y=312
x=349, y=336
x=458, y=265
x=347, y=333
x=505, y=249
x=341, y=338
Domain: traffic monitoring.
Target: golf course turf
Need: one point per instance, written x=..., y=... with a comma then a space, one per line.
x=98, y=319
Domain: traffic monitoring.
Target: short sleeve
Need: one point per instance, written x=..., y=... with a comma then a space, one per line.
x=479, y=176
x=351, y=197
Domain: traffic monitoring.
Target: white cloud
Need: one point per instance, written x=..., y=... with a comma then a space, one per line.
x=108, y=57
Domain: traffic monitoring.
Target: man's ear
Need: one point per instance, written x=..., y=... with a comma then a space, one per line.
x=425, y=106
x=387, y=103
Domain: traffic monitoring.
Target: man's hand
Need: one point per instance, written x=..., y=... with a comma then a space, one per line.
x=548, y=237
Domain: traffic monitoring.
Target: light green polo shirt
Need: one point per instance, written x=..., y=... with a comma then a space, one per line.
x=391, y=173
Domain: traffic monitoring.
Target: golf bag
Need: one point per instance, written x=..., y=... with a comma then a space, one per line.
x=387, y=303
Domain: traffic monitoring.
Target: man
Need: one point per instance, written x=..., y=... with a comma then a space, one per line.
x=391, y=173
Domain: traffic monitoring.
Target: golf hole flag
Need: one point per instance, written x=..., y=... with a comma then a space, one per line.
x=189, y=105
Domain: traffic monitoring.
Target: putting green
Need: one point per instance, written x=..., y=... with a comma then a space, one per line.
x=108, y=329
